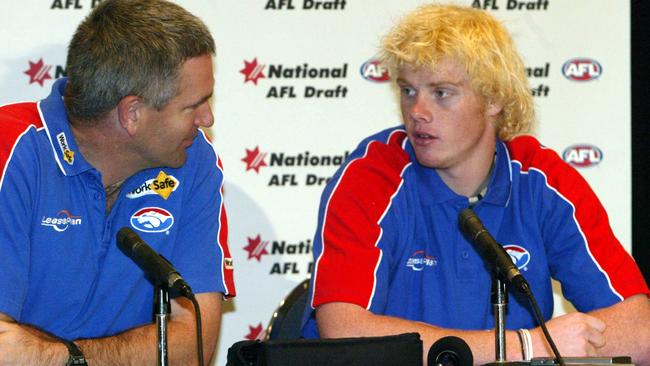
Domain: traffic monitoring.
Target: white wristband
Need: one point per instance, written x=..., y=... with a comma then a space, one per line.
x=526, y=344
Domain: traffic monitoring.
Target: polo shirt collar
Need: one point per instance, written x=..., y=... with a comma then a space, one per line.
x=498, y=192
x=435, y=190
x=56, y=123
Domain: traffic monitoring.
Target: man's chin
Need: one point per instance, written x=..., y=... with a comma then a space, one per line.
x=428, y=161
x=176, y=161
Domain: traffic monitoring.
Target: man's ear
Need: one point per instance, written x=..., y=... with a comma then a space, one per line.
x=492, y=109
x=130, y=112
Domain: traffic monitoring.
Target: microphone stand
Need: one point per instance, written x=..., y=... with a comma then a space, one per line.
x=162, y=310
x=499, y=304
x=499, y=297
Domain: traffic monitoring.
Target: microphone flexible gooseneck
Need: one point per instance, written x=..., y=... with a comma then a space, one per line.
x=153, y=264
x=490, y=250
x=493, y=253
x=161, y=272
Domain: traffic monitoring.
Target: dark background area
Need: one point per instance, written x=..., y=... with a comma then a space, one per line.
x=641, y=134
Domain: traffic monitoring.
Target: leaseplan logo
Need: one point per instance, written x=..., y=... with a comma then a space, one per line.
x=254, y=159
x=252, y=71
x=68, y=155
x=61, y=221
x=163, y=185
x=419, y=260
x=38, y=72
x=582, y=155
x=374, y=70
x=582, y=69
x=152, y=220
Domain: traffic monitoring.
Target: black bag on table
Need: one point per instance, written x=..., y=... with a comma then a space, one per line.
x=397, y=350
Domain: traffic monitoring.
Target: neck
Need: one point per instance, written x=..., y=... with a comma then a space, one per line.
x=469, y=177
x=102, y=146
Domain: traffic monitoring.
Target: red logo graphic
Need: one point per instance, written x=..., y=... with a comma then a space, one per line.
x=38, y=72
x=583, y=155
x=374, y=70
x=256, y=248
x=252, y=71
x=582, y=69
x=254, y=332
x=254, y=159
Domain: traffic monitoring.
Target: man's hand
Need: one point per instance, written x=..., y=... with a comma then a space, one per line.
x=24, y=345
x=574, y=334
x=626, y=332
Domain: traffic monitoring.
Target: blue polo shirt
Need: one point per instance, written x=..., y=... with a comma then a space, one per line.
x=388, y=238
x=60, y=267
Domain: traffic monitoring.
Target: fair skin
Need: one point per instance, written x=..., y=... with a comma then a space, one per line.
x=453, y=131
x=132, y=137
x=135, y=136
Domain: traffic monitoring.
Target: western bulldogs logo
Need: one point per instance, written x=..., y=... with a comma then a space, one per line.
x=152, y=220
x=520, y=256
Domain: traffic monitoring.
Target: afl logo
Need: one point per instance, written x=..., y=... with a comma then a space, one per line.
x=583, y=155
x=373, y=70
x=152, y=220
x=582, y=69
x=520, y=256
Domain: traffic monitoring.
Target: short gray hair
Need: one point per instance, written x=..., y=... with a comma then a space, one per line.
x=130, y=47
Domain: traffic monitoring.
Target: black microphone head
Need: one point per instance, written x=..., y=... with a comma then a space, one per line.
x=156, y=267
x=450, y=351
x=126, y=238
x=469, y=222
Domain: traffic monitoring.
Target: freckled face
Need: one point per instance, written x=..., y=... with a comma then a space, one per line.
x=447, y=123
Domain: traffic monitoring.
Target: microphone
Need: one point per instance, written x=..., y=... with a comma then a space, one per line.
x=450, y=351
x=153, y=264
x=491, y=250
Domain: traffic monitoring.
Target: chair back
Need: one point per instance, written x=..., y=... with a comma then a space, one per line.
x=286, y=322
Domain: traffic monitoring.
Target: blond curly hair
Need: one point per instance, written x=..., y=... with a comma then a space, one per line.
x=476, y=40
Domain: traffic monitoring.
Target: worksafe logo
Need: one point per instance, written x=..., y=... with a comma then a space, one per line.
x=374, y=70
x=68, y=155
x=61, y=221
x=582, y=155
x=582, y=69
x=228, y=263
x=38, y=72
x=252, y=71
x=256, y=248
x=163, y=185
x=254, y=159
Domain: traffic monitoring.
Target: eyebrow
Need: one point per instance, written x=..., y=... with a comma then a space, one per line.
x=434, y=84
x=200, y=101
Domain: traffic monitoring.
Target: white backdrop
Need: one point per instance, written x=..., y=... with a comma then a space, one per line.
x=279, y=141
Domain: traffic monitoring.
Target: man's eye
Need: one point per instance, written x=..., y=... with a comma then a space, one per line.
x=441, y=93
x=407, y=91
